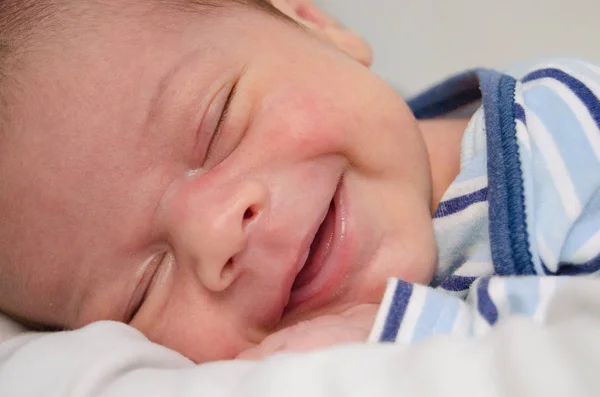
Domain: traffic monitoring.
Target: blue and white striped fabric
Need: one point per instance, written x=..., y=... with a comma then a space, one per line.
x=523, y=216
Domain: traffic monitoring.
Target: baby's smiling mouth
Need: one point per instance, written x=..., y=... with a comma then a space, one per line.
x=318, y=251
x=327, y=261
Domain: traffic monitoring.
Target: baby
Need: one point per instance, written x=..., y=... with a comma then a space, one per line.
x=230, y=184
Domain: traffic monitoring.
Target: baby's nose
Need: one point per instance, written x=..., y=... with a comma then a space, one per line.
x=210, y=226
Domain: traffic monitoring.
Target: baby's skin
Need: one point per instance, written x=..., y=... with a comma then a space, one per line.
x=350, y=326
x=226, y=182
x=354, y=324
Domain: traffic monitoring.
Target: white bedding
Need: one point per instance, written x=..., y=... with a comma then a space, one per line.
x=519, y=358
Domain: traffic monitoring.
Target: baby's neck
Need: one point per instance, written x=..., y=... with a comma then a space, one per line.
x=443, y=138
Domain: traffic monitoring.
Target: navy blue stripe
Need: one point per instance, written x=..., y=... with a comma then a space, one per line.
x=570, y=269
x=397, y=311
x=459, y=203
x=585, y=95
x=458, y=283
x=454, y=93
x=520, y=113
x=508, y=231
x=485, y=306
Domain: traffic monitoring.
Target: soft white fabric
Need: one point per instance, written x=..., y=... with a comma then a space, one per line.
x=517, y=358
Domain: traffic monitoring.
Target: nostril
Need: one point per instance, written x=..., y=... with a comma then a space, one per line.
x=249, y=214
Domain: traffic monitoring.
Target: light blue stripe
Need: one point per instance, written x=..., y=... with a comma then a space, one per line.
x=523, y=295
x=569, y=137
x=481, y=251
x=476, y=168
x=448, y=316
x=474, y=140
x=454, y=240
x=438, y=315
x=586, y=226
x=550, y=215
x=473, y=151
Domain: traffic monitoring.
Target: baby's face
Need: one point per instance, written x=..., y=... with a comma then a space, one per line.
x=208, y=180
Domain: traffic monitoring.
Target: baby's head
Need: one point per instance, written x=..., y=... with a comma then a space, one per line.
x=207, y=171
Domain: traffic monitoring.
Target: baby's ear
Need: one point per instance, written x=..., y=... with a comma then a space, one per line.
x=307, y=13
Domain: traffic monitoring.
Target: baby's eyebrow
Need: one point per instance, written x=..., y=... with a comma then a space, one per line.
x=157, y=100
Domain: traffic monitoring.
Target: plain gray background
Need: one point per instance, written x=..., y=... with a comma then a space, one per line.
x=417, y=42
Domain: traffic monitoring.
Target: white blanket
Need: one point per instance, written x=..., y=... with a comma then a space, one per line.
x=518, y=358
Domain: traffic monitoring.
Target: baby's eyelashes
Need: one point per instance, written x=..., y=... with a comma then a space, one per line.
x=153, y=292
x=141, y=292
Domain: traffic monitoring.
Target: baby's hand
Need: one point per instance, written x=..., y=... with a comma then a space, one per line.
x=353, y=325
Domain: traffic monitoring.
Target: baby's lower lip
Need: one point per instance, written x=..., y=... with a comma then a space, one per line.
x=318, y=283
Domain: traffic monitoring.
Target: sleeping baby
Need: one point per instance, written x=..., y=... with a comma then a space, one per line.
x=224, y=179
